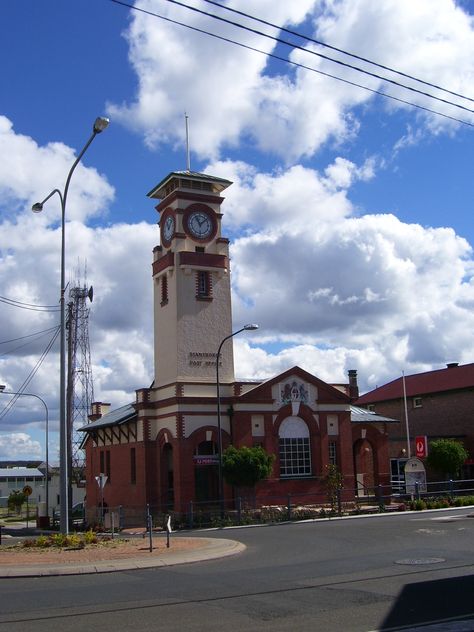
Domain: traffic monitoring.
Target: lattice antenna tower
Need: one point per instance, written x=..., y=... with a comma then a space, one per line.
x=80, y=387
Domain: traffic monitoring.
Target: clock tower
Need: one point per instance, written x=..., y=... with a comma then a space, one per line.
x=191, y=281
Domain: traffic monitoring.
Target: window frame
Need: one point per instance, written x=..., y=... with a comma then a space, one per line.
x=294, y=449
x=203, y=285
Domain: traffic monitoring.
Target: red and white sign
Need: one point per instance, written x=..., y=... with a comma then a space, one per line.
x=421, y=445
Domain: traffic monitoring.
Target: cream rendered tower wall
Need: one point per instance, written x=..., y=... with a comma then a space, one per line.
x=192, y=299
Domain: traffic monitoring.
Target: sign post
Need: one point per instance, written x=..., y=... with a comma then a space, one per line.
x=101, y=481
x=415, y=476
x=27, y=491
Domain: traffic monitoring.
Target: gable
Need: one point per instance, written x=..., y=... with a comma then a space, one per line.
x=296, y=385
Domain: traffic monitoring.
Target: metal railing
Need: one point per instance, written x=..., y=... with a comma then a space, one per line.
x=243, y=510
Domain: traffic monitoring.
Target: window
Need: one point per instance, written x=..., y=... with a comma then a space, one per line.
x=371, y=407
x=295, y=451
x=107, y=464
x=332, y=453
x=417, y=402
x=133, y=466
x=164, y=290
x=203, y=284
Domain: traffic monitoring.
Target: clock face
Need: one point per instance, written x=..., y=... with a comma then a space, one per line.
x=200, y=224
x=168, y=228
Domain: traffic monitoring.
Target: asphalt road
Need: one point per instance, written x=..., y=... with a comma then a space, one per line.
x=369, y=573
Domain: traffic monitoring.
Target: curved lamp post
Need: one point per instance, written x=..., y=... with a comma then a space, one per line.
x=4, y=392
x=99, y=125
x=249, y=327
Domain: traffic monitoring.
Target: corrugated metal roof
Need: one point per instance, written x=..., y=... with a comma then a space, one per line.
x=221, y=183
x=20, y=472
x=114, y=418
x=362, y=415
x=438, y=381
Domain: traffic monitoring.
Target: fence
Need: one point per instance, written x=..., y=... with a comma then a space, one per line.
x=246, y=510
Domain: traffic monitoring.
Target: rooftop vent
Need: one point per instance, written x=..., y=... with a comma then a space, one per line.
x=451, y=365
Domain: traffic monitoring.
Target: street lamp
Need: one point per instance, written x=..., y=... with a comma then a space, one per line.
x=249, y=327
x=4, y=392
x=99, y=125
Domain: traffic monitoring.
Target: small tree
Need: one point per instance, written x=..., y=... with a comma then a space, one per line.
x=334, y=481
x=16, y=499
x=446, y=456
x=245, y=467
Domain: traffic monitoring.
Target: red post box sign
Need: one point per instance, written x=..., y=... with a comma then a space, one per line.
x=421, y=445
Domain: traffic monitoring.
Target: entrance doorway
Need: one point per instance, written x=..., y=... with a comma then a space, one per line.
x=206, y=474
x=364, y=468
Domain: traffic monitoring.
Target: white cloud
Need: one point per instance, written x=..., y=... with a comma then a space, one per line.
x=31, y=172
x=339, y=289
x=236, y=96
x=118, y=262
x=18, y=445
x=423, y=39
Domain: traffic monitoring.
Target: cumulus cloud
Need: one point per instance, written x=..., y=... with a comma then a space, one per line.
x=117, y=260
x=235, y=95
x=32, y=171
x=339, y=289
x=18, y=445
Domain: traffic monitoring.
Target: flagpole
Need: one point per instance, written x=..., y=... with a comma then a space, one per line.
x=406, y=415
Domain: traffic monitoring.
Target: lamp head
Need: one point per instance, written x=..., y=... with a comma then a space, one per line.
x=250, y=327
x=37, y=208
x=100, y=124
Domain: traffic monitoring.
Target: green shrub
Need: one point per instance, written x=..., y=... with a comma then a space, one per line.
x=417, y=505
x=74, y=540
x=43, y=541
x=58, y=539
x=90, y=537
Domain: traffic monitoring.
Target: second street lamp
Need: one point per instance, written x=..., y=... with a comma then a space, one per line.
x=99, y=125
x=4, y=392
x=249, y=327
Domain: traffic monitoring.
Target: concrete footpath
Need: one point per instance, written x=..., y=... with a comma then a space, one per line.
x=210, y=549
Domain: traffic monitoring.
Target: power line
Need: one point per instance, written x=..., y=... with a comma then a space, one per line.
x=26, y=344
x=339, y=50
x=293, y=63
x=29, y=306
x=37, y=333
x=30, y=376
x=326, y=57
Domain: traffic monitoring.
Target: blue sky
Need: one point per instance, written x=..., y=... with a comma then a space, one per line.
x=350, y=215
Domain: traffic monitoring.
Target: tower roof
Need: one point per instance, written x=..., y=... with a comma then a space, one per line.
x=188, y=180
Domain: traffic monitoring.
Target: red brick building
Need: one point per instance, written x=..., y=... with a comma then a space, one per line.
x=163, y=448
x=439, y=404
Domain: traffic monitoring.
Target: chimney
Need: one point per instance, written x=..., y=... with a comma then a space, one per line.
x=452, y=365
x=353, y=386
x=98, y=409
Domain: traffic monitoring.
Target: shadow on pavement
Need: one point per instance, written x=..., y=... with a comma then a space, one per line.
x=431, y=601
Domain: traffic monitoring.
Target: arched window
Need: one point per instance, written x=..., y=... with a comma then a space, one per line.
x=295, y=449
